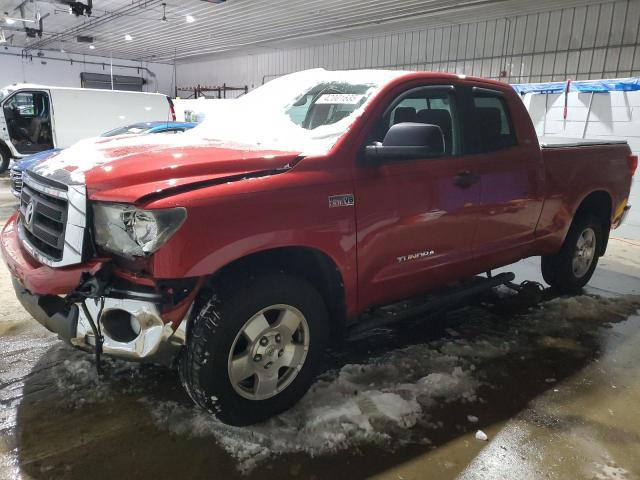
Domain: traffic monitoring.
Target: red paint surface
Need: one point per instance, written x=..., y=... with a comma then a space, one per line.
x=522, y=206
x=37, y=278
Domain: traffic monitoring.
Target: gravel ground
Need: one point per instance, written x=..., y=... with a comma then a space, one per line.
x=553, y=387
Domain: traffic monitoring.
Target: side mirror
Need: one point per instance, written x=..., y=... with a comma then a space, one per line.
x=405, y=141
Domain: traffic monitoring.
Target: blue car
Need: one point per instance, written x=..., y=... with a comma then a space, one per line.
x=142, y=128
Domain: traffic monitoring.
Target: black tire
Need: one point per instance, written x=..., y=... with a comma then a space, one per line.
x=204, y=369
x=558, y=271
x=5, y=159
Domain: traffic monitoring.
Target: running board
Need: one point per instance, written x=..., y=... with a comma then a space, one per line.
x=383, y=316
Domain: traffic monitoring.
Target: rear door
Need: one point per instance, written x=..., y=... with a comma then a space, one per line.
x=415, y=219
x=511, y=178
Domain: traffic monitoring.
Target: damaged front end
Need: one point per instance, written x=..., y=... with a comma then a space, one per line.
x=133, y=321
x=109, y=314
x=91, y=301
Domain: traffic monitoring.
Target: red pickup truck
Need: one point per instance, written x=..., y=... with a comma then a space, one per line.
x=242, y=248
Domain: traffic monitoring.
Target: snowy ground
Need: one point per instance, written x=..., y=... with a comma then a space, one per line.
x=394, y=399
x=551, y=385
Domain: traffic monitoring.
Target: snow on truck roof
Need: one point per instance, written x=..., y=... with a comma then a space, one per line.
x=305, y=112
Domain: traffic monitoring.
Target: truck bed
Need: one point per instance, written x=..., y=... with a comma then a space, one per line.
x=563, y=142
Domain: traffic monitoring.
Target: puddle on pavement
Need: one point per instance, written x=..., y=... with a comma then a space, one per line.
x=381, y=402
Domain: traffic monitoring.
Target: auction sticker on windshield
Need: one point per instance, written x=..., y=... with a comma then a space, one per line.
x=339, y=99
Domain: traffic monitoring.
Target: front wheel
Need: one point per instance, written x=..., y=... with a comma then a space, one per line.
x=571, y=269
x=253, y=349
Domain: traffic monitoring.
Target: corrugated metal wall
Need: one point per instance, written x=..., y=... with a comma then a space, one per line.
x=595, y=41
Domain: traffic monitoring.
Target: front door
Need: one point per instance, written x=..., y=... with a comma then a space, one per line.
x=28, y=118
x=416, y=218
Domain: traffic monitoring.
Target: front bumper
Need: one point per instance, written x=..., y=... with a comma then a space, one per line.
x=623, y=216
x=157, y=335
x=155, y=341
x=36, y=277
x=50, y=311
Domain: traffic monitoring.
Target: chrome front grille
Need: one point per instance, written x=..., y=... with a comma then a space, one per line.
x=52, y=220
x=16, y=182
x=44, y=218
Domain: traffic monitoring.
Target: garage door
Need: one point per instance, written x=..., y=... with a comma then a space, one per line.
x=120, y=82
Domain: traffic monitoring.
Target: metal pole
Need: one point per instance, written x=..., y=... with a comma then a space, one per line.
x=111, y=57
x=544, y=123
x=586, y=122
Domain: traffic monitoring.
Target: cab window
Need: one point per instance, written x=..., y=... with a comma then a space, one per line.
x=492, y=123
x=425, y=105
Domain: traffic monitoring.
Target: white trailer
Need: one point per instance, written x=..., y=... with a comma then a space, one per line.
x=196, y=110
x=34, y=118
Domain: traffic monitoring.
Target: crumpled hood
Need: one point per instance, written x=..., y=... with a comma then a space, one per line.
x=127, y=169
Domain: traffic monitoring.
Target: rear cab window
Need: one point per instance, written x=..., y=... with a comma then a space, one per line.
x=492, y=125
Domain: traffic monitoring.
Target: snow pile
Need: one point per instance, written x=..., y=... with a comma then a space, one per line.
x=586, y=307
x=561, y=317
x=390, y=400
x=374, y=403
x=77, y=379
x=263, y=116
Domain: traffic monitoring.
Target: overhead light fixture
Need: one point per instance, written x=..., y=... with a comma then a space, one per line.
x=84, y=39
x=92, y=47
x=9, y=21
x=128, y=37
x=78, y=8
x=164, y=12
x=189, y=19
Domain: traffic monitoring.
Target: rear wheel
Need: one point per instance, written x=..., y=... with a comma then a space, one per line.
x=4, y=160
x=254, y=349
x=571, y=269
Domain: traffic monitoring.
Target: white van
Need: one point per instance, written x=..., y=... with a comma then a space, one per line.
x=196, y=110
x=34, y=118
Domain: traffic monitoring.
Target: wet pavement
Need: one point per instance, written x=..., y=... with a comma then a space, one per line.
x=553, y=383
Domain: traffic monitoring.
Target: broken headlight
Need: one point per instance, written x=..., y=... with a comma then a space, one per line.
x=133, y=232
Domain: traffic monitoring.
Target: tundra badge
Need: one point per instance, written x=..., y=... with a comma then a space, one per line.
x=345, y=200
x=415, y=256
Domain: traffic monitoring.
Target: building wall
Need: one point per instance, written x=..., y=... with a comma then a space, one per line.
x=63, y=70
x=595, y=41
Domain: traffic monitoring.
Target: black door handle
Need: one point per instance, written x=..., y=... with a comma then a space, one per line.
x=466, y=179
